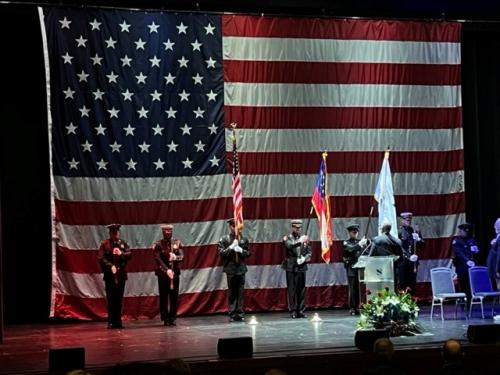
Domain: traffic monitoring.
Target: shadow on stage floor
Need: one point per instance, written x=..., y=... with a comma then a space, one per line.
x=276, y=338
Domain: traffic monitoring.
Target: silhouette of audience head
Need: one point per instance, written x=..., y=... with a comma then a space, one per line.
x=452, y=351
x=383, y=349
x=275, y=371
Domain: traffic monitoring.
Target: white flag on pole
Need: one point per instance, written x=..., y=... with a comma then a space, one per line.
x=384, y=195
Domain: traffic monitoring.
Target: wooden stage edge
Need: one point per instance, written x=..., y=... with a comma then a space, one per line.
x=294, y=345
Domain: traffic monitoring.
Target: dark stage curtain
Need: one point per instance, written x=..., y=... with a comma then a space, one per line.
x=481, y=116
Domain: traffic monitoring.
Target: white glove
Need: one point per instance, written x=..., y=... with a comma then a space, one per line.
x=303, y=238
x=413, y=257
x=471, y=263
x=172, y=257
x=474, y=249
x=234, y=244
x=363, y=242
x=301, y=260
x=416, y=237
x=170, y=273
x=238, y=249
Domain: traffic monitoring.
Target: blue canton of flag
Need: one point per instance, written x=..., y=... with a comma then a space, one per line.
x=135, y=94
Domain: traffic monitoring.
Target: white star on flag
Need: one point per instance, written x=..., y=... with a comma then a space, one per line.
x=186, y=129
x=187, y=163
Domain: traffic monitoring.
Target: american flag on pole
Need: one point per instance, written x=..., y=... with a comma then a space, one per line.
x=139, y=108
x=237, y=190
x=321, y=204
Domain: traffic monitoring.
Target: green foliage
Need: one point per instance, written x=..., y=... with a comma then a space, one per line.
x=397, y=312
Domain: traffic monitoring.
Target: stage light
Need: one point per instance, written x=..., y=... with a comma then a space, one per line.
x=316, y=318
x=253, y=321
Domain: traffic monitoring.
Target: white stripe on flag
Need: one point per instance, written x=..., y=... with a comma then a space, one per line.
x=334, y=50
x=336, y=95
x=204, y=233
x=256, y=186
x=272, y=140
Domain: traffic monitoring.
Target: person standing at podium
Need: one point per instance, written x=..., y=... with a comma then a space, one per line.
x=352, y=249
x=386, y=244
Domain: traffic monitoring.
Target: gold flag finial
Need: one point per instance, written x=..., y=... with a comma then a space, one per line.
x=387, y=152
x=233, y=126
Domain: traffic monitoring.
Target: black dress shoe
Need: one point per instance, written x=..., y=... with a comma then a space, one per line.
x=301, y=315
x=352, y=312
x=165, y=322
x=294, y=315
x=232, y=319
x=171, y=322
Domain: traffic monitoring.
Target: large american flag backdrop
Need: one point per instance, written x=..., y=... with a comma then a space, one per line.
x=139, y=110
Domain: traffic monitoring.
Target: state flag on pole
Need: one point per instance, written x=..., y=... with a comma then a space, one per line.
x=321, y=204
x=384, y=195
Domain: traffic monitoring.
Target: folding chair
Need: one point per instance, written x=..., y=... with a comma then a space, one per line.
x=443, y=289
x=481, y=288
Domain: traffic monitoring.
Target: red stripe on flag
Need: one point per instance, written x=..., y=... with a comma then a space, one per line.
x=287, y=27
x=256, y=300
x=249, y=117
x=128, y=213
x=311, y=72
x=351, y=162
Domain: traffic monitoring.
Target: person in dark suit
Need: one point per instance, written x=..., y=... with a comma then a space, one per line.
x=233, y=252
x=493, y=261
x=352, y=249
x=386, y=244
x=168, y=254
x=113, y=255
x=297, y=255
x=464, y=247
x=412, y=243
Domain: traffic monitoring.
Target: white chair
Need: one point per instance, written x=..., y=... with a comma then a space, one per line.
x=443, y=289
x=481, y=288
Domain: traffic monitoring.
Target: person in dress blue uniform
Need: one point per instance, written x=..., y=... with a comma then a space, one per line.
x=233, y=252
x=464, y=247
x=412, y=243
x=297, y=255
x=352, y=249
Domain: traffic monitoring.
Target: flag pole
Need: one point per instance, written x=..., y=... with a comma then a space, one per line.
x=236, y=222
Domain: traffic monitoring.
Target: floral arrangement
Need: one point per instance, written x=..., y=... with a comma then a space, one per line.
x=397, y=312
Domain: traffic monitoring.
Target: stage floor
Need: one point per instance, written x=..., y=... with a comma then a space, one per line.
x=194, y=339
